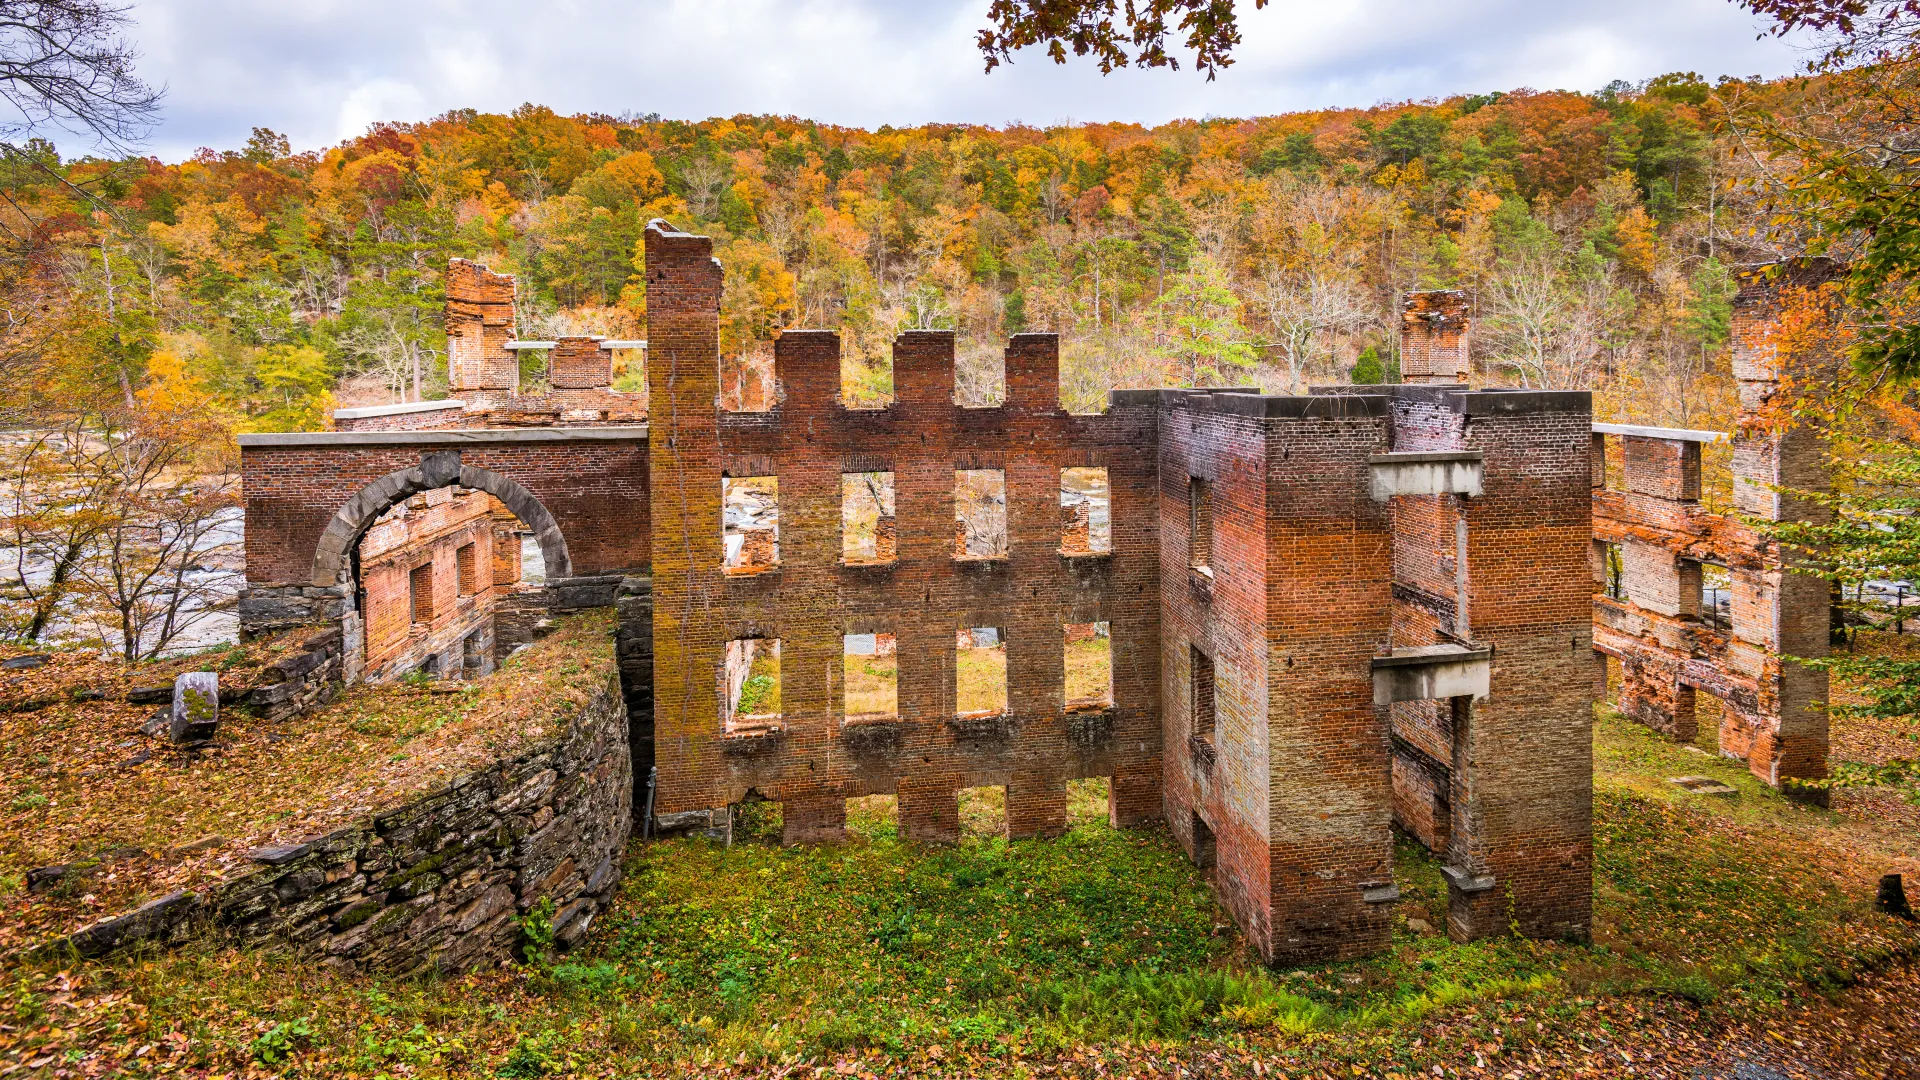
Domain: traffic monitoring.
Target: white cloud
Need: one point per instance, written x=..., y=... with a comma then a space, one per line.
x=322, y=70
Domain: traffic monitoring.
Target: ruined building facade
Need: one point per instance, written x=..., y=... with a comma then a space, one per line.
x=1326, y=614
x=1689, y=601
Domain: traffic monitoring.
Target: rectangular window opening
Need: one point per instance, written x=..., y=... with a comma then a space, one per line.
x=1203, y=723
x=469, y=567
x=420, y=593
x=1199, y=525
x=750, y=524
x=979, y=514
x=1089, y=681
x=746, y=379
x=1613, y=571
x=752, y=686
x=1090, y=801
x=980, y=672
x=983, y=812
x=873, y=816
x=1086, y=512
x=1716, y=596
x=867, y=528
x=866, y=383
x=872, y=670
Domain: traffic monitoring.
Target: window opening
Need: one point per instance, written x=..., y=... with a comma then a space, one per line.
x=1199, y=525
x=420, y=593
x=746, y=380
x=1716, y=596
x=979, y=514
x=750, y=523
x=1204, y=719
x=1086, y=512
x=1089, y=666
x=1613, y=572
x=983, y=811
x=752, y=677
x=868, y=532
x=872, y=670
x=866, y=383
x=979, y=375
x=469, y=567
x=980, y=672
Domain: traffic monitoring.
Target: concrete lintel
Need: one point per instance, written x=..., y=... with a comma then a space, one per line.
x=401, y=409
x=1672, y=434
x=1441, y=472
x=1432, y=672
x=623, y=343
x=516, y=346
x=465, y=436
x=1466, y=880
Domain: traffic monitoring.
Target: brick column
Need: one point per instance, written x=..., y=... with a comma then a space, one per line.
x=480, y=321
x=1433, y=337
x=1520, y=854
x=1785, y=611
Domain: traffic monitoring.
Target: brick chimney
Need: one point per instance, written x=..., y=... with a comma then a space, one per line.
x=1433, y=337
x=479, y=324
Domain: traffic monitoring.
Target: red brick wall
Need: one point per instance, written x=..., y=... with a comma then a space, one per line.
x=806, y=442
x=596, y=491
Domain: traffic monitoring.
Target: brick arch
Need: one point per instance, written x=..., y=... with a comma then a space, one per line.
x=435, y=470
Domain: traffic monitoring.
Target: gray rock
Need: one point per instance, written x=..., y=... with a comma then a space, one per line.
x=196, y=707
x=279, y=855
x=160, y=724
x=22, y=663
x=150, y=695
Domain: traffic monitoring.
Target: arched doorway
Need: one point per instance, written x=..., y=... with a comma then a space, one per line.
x=429, y=560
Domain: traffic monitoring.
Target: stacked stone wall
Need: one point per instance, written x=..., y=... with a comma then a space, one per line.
x=440, y=883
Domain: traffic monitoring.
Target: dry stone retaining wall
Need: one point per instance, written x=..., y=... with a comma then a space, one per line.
x=438, y=883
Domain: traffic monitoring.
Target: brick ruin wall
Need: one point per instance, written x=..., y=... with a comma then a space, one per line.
x=1294, y=789
x=1669, y=648
x=483, y=373
x=454, y=639
x=813, y=761
x=439, y=883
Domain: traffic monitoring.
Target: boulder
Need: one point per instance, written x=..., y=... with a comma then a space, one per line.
x=22, y=663
x=196, y=707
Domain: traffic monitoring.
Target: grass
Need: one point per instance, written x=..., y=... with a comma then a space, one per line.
x=980, y=679
x=990, y=952
x=872, y=685
x=1090, y=670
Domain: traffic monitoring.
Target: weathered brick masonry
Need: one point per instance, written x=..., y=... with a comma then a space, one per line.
x=814, y=761
x=1669, y=646
x=1277, y=566
x=1311, y=575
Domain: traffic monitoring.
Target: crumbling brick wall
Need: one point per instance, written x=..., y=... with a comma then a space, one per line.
x=1311, y=579
x=1668, y=646
x=814, y=761
x=455, y=637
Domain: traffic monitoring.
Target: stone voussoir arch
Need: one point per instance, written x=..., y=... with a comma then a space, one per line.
x=436, y=470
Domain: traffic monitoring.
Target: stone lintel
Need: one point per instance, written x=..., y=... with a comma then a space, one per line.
x=1438, y=472
x=1431, y=672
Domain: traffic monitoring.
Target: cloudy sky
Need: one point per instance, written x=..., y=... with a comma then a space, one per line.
x=321, y=70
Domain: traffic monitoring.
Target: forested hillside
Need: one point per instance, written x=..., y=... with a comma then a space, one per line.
x=1595, y=230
